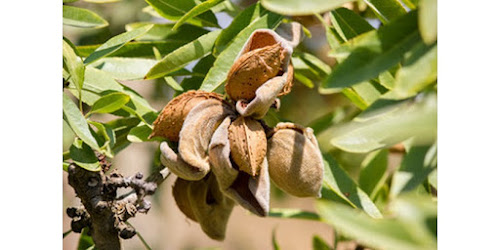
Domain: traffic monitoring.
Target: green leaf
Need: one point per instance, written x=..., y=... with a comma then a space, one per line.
x=372, y=53
x=300, y=7
x=110, y=103
x=165, y=32
x=384, y=124
x=82, y=18
x=77, y=122
x=368, y=92
x=124, y=68
x=199, y=72
x=135, y=49
x=197, y=10
x=139, y=133
x=97, y=84
x=73, y=65
x=373, y=172
x=427, y=20
x=175, y=9
x=121, y=128
x=290, y=213
x=69, y=1
x=241, y=21
x=390, y=234
x=102, y=1
x=348, y=24
x=387, y=80
x=108, y=135
x=418, y=70
x=276, y=246
x=83, y=156
x=338, y=186
x=85, y=242
x=65, y=166
x=218, y=73
x=115, y=43
x=417, y=165
x=320, y=244
x=168, y=79
x=184, y=55
x=386, y=10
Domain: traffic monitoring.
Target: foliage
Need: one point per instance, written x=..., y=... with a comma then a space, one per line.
x=385, y=73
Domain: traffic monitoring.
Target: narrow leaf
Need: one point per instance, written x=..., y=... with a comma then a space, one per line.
x=427, y=20
x=300, y=7
x=102, y=1
x=139, y=133
x=338, y=183
x=418, y=70
x=292, y=214
x=184, y=55
x=197, y=10
x=135, y=48
x=386, y=125
x=110, y=103
x=85, y=242
x=116, y=43
x=276, y=246
x=165, y=32
x=175, y=9
x=373, y=172
x=320, y=244
x=348, y=24
x=82, y=18
x=218, y=73
x=373, y=53
x=417, y=165
x=241, y=21
x=77, y=122
x=387, y=234
x=73, y=65
x=124, y=68
x=386, y=10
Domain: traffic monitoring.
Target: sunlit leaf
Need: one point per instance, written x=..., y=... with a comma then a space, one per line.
x=110, y=103
x=390, y=234
x=85, y=242
x=373, y=172
x=427, y=20
x=77, y=122
x=300, y=7
x=241, y=21
x=184, y=55
x=372, y=53
x=139, y=133
x=124, y=68
x=73, y=65
x=418, y=70
x=135, y=49
x=115, y=43
x=102, y=1
x=386, y=10
x=387, y=123
x=338, y=186
x=165, y=32
x=292, y=214
x=418, y=163
x=175, y=9
x=82, y=18
x=197, y=10
x=218, y=73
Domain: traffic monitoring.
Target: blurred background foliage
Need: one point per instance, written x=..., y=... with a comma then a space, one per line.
x=365, y=81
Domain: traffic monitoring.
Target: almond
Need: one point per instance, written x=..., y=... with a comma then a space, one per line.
x=169, y=122
x=247, y=141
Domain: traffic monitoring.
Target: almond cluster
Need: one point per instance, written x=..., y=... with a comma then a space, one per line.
x=224, y=154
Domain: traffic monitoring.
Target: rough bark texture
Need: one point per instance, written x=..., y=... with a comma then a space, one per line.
x=103, y=212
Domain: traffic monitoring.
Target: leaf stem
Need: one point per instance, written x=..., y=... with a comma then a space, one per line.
x=140, y=236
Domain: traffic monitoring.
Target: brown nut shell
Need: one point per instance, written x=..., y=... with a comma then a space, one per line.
x=252, y=70
x=248, y=144
x=180, y=193
x=169, y=122
x=295, y=161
